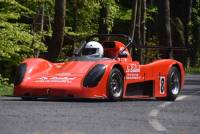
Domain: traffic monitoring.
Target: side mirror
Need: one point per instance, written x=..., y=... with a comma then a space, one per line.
x=123, y=54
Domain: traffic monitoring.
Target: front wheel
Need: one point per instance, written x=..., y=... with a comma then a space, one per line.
x=173, y=84
x=115, y=85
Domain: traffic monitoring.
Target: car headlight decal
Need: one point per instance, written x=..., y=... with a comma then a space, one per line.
x=20, y=74
x=94, y=76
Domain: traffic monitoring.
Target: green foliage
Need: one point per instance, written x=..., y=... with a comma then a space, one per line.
x=196, y=12
x=151, y=54
x=150, y=13
x=13, y=6
x=16, y=40
x=5, y=87
x=87, y=19
x=124, y=14
x=87, y=15
x=193, y=70
x=33, y=5
x=113, y=10
x=178, y=28
x=195, y=26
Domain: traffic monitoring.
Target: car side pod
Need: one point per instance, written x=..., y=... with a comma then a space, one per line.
x=21, y=70
x=94, y=75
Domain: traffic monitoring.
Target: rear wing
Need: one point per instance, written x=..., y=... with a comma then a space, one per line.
x=164, y=48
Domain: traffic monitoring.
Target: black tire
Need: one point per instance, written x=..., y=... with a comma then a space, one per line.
x=115, y=85
x=28, y=98
x=173, y=84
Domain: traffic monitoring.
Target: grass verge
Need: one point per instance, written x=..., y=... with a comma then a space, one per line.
x=193, y=70
x=6, y=89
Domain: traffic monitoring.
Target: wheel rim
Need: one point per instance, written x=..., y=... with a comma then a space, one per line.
x=115, y=85
x=174, y=83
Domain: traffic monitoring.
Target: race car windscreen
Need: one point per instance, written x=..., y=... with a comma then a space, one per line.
x=86, y=58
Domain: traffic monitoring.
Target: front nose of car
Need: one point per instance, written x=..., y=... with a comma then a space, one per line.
x=19, y=76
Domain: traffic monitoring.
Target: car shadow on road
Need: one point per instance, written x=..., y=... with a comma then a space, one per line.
x=77, y=100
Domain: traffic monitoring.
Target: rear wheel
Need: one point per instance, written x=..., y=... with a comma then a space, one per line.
x=115, y=85
x=173, y=84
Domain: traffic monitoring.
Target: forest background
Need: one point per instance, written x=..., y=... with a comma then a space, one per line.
x=53, y=29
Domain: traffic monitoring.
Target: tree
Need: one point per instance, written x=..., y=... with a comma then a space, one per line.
x=133, y=19
x=143, y=30
x=138, y=35
x=195, y=59
x=56, y=42
x=143, y=22
x=16, y=40
x=188, y=13
x=75, y=10
x=164, y=27
x=103, y=26
x=133, y=25
x=108, y=11
x=138, y=25
x=180, y=19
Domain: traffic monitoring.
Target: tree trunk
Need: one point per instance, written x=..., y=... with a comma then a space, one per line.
x=196, y=35
x=103, y=27
x=38, y=26
x=75, y=9
x=138, y=24
x=56, y=41
x=196, y=46
x=143, y=30
x=164, y=27
x=134, y=16
x=188, y=9
x=143, y=23
x=138, y=31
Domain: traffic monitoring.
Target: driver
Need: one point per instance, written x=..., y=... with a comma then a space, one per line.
x=94, y=49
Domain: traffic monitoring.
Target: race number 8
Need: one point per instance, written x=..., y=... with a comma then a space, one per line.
x=162, y=85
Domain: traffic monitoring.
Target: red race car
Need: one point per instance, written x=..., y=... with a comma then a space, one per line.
x=102, y=68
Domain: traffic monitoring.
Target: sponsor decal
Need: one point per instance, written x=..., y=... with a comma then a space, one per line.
x=162, y=85
x=133, y=68
x=132, y=76
x=132, y=72
x=56, y=79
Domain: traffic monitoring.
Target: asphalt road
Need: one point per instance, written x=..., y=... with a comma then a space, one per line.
x=101, y=117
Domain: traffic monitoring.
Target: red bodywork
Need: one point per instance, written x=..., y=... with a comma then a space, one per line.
x=45, y=79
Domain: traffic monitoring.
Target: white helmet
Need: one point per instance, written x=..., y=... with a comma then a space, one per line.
x=93, y=48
